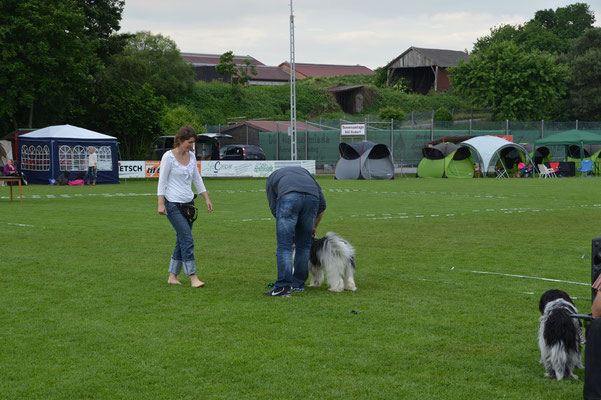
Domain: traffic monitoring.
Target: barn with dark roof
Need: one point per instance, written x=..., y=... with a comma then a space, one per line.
x=424, y=69
x=308, y=70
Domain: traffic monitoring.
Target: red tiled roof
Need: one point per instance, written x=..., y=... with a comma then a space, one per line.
x=213, y=59
x=265, y=73
x=273, y=126
x=309, y=70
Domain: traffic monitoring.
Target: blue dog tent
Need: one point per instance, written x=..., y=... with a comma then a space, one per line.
x=46, y=153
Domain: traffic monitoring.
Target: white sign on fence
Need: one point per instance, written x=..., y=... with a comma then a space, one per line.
x=352, y=130
x=131, y=169
x=256, y=169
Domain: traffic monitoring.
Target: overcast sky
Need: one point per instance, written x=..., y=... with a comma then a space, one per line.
x=348, y=32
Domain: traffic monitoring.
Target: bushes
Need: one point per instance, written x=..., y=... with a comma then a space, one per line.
x=390, y=112
x=443, y=114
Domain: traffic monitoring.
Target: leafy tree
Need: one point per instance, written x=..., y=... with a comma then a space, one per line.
x=549, y=30
x=235, y=73
x=152, y=59
x=584, y=93
x=390, y=112
x=46, y=56
x=517, y=84
x=132, y=114
x=567, y=22
x=179, y=115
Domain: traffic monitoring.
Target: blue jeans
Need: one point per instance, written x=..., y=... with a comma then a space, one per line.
x=183, y=254
x=91, y=173
x=295, y=215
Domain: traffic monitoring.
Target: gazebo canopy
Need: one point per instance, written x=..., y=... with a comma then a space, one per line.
x=573, y=136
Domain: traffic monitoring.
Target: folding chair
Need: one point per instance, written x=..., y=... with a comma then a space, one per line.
x=586, y=168
x=501, y=172
x=554, y=166
x=544, y=172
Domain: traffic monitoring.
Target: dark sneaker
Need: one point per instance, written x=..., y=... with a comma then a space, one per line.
x=298, y=289
x=279, y=292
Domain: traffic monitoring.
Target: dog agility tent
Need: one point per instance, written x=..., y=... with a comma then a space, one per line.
x=488, y=150
x=543, y=154
x=580, y=144
x=364, y=160
x=45, y=153
x=446, y=160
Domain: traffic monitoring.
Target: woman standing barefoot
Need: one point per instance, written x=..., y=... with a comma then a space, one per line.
x=177, y=172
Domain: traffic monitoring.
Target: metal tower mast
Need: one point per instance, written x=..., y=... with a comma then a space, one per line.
x=293, y=153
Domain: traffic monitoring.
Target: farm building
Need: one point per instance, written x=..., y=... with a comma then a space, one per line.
x=247, y=132
x=424, y=69
x=204, y=69
x=309, y=70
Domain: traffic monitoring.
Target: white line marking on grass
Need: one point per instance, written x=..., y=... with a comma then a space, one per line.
x=15, y=224
x=530, y=277
x=255, y=219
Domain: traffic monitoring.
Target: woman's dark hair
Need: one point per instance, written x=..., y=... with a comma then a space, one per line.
x=184, y=133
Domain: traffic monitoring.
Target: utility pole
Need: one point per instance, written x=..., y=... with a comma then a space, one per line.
x=293, y=153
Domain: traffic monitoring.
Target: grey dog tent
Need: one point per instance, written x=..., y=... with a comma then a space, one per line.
x=364, y=160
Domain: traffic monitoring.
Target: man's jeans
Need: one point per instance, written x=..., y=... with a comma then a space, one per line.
x=295, y=215
x=592, y=361
x=183, y=254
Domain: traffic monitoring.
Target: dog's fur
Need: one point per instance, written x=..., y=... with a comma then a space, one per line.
x=559, y=335
x=337, y=257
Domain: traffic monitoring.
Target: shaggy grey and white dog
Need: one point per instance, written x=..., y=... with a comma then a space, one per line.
x=336, y=257
x=559, y=335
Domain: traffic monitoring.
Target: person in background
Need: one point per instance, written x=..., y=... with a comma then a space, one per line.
x=10, y=168
x=177, y=172
x=92, y=167
x=592, y=351
x=297, y=203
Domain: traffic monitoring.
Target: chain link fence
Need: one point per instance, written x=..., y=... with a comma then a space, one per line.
x=405, y=138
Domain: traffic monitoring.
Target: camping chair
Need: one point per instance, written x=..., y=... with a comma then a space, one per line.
x=544, y=172
x=501, y=172
x=554, y=166
x=586, y=168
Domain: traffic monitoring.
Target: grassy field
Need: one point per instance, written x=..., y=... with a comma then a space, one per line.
x=85, y=310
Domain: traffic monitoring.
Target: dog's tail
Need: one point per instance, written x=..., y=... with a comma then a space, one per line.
x=340, y=247
x=559, y=358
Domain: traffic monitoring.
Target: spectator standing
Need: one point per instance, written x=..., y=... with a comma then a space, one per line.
x=92, y=167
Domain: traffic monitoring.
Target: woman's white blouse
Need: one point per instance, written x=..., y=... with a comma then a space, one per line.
x=175, y=179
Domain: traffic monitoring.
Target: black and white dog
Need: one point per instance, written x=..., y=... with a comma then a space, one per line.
x=559, y=335
x=337, y=257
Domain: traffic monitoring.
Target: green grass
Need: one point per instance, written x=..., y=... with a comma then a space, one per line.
x=85, y=310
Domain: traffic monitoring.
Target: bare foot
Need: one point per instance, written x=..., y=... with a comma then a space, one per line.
x=173, y=280
x=195, y=282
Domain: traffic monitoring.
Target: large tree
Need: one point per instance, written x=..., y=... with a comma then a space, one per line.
x=519, y=85
x=550, y=30
x=584, y=93
x=49, y=52
x=152, y=59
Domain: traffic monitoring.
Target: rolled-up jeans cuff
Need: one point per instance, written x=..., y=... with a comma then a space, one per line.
x=175, y=266
x=190, y=267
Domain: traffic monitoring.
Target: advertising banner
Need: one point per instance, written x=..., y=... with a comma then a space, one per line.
x=256, y=169
x=131, y=169
x=225, y=169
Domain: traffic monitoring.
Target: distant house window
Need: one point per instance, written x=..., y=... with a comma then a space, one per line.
x=35, y=158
